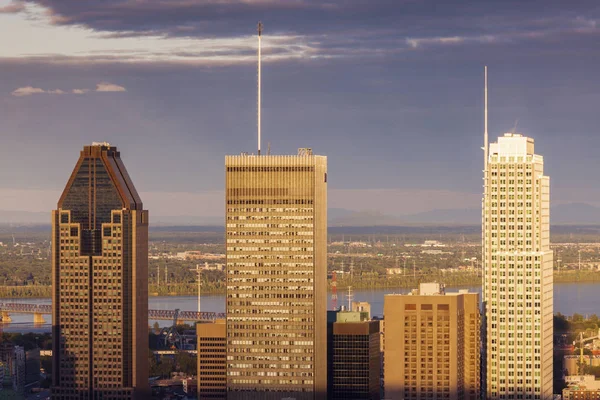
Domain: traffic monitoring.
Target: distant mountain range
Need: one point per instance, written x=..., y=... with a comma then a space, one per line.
x=563, y=214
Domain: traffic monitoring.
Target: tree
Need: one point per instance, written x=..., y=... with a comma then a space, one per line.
x=185, y=362
x=576, y=318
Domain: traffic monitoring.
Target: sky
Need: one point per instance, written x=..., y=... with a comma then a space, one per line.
x=390, y=90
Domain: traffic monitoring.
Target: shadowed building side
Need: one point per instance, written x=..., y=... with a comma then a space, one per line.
x=212, y=360
x=100, y=282
x=354, y=357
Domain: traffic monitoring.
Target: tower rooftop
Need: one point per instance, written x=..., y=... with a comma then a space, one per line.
x=512, y=144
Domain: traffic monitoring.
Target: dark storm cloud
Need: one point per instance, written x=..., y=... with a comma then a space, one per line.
x=337, y=28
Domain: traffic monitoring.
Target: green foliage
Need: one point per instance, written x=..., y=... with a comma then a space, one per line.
x=561, y=324
x=185, y=362
x=29, y=340
x=162, y=368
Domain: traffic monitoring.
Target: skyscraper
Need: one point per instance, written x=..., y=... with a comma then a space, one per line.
x=100, y=282
x=517, y=266
x=432, y=344
x=276, y=234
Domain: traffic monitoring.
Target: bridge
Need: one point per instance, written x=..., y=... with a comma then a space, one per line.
x=38, y=311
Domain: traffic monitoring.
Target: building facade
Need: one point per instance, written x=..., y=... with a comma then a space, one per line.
x=354, y=357
x=432, y=345
x=581, y=387
x=276, y=233
x=212, y=360
x=100, y=282
x=517, y=266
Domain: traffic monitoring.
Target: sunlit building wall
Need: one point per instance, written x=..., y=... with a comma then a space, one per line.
x=432, y=345
x=517, y=265
x=276, y=234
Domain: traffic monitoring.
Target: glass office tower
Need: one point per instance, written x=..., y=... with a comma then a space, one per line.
x=100, y=282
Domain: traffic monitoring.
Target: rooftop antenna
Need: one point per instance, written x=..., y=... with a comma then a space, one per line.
x=260, y=28
x=485, y=120
x=349, y=298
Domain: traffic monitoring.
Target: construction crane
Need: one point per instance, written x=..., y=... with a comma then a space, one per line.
x=582, y=340
x=172, y=337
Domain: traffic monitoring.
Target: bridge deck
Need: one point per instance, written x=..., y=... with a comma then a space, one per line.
x=22, y=308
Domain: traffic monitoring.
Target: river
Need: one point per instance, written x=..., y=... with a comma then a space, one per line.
x=569, y=298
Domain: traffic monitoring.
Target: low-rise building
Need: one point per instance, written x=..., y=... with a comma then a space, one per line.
x=212, y=360
x=581, y=387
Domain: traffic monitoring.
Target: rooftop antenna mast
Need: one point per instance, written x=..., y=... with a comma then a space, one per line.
x=260, y=28
x=485, y=172
x=485, y=120
x=349, y=298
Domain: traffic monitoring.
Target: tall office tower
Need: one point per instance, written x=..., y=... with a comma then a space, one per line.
x=212, y=362
x=354, y=356
x=432, y=345
x=276, y=232
x=100, y=283
x=517, y=266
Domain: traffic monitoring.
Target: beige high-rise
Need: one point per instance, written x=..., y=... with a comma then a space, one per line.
x=517, y=263
x=432, y=345
x=276, y=234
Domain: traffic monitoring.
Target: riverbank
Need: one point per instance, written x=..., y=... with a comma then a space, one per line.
x=357, y=283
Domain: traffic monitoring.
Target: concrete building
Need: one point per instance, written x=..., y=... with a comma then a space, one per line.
x=276, y=234
x=212, y=361
x=581, y=387
x=362, y=306
x=571, y=363
x=517, y=264
x=354, y=360
x=100, y=282
x=432, y=345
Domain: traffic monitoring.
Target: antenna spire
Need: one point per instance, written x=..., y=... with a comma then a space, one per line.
x=485, y=120
x=260, y=28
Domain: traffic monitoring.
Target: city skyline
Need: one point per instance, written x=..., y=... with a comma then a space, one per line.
x=403, y=103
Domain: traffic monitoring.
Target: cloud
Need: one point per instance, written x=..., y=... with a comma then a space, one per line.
x=100, y=87
x=222, y=32
x=13, y=8
x=27, y=91
x=109, y=87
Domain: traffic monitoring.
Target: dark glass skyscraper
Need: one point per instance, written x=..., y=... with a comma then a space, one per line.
x=100, y=282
